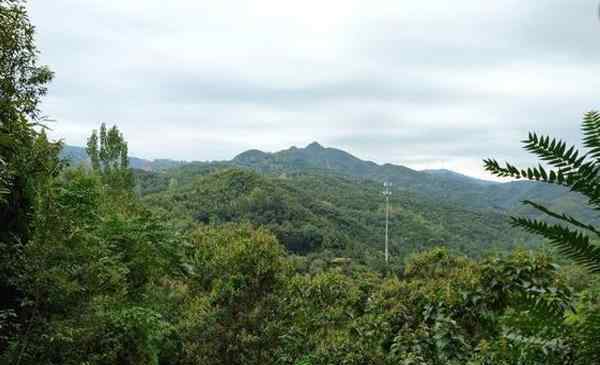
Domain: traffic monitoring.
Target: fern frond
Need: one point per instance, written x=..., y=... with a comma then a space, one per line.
x=531, y=173
x=584, y=180
x=554, y=152
x=589, y=331
x=508, y=170
x=572, y=244
x=563, y=217
x=591, y=134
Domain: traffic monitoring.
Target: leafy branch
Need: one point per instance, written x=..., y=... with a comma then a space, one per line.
x=568, y=167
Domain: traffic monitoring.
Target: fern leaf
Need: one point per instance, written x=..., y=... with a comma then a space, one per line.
x=562, y=217
x=583, y=179
x=572, y=244
x=553, y=152
x=591, y=133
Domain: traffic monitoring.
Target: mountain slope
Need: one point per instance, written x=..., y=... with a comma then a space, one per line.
x=443, y=185
x=457, y=177
x=344, y=216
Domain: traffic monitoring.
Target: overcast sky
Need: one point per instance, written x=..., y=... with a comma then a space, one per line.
x=425, y=84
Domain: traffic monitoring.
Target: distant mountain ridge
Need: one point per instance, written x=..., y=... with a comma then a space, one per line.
x=316, y=157
x=449, y=174
x=313, y=156
x=444, y=185
x=78, y=155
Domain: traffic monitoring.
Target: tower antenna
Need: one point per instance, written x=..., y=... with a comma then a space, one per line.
x=387, y=192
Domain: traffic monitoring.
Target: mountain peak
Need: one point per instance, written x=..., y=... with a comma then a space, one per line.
x=251, y=156
x=314, y=146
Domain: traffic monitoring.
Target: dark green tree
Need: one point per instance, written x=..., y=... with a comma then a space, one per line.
x=22, y=83
x=27, y=159
x=579, y=172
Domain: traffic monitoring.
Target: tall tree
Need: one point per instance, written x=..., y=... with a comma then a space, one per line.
x=580, y=172
x=22, y=84
x=27, y=159
x=109, y=157
x=92, y=150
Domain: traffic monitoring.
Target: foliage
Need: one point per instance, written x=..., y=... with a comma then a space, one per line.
x=27, y=159
x=87, y=271
x=580, y=173
x=93, y=275
x=332, y=216
x=108, y=156
x=234, y=275
x=572, y=169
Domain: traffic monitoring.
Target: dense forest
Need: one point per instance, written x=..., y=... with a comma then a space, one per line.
x=334, y=215
x=255, y=262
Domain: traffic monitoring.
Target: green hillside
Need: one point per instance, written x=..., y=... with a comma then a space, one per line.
x=439, y=185
x=328, y=213
x=318, y=199
x=444, y=185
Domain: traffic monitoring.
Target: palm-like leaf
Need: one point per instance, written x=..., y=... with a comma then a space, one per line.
x=591, y=132
x=563, y=217
x=589, y=332
x=554, y=152
x=580, y=172
x=570, y=243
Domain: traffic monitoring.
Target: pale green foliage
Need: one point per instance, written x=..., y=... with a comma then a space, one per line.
x=109, y=158
x=234, y=274
x=317, y=312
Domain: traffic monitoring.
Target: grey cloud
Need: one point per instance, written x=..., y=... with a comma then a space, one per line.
x=426, y=84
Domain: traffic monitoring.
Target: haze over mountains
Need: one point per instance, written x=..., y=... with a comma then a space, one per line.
x=77, y=155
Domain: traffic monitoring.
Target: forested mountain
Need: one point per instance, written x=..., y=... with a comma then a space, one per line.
x=308, y=212
x=316, y=159
x=451, y=188
x=444, y=185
